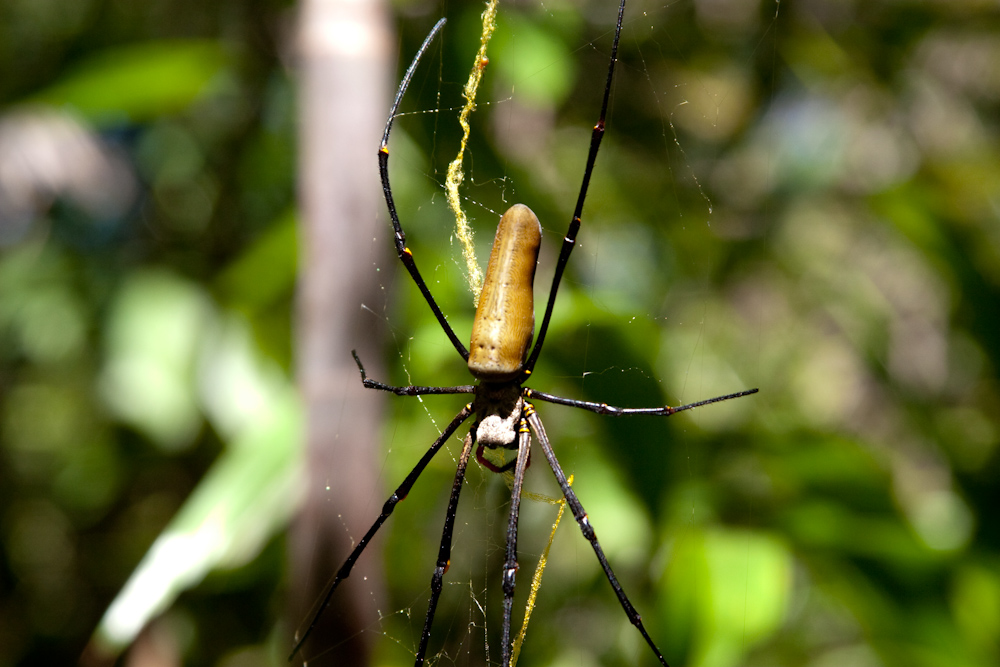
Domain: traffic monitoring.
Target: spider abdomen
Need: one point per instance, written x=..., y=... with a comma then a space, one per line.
x=505, y=318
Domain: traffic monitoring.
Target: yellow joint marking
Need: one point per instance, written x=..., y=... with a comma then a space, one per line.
x=527, y=371
x=529, y=409
x=447, y=565
x=384, y=149
x=408, y=252
x=455, y=175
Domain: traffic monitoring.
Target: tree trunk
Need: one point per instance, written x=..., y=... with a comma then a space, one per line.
x=345, y=72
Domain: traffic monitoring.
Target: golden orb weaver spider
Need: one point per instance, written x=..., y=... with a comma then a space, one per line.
x=502, y=359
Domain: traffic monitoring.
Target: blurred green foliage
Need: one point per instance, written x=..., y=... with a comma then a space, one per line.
x=147, y=152
x=801, y=196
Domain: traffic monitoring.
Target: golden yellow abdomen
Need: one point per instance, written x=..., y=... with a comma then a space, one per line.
x=505, y=318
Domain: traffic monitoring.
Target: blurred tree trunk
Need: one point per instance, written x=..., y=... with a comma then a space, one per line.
x=345, y=72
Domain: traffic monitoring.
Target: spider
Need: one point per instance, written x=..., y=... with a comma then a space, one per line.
x=501, y=358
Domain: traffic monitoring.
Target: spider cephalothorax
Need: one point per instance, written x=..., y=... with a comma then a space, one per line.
x=499, y=410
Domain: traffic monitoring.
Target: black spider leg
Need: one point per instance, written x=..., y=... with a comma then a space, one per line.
x=569, y=241
x=410, y=390
x=510, y=564
x=605, y=409
x=588, y=532
x=399, y=494
x=444, y=551
x=404, y=253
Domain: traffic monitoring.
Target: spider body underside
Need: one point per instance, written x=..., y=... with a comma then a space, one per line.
x=498, y=415
x=499, y=358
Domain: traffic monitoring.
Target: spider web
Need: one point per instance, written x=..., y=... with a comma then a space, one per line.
x=642, y=319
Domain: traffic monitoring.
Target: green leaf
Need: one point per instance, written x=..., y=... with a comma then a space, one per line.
x=139, y=81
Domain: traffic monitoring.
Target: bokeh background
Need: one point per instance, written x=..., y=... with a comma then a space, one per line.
x=799, y=196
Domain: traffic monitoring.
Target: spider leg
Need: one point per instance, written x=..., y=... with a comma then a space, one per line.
x=444, y=551
x=605, y=409
x=399, y=494
x=404, y=253
x=412, y=390
x=510, y=565
x=569, y=241
x=588, y=531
